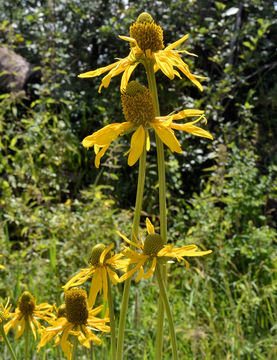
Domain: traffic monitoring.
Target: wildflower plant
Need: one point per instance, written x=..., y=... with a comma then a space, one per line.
x=76, y=321
x=141, y=110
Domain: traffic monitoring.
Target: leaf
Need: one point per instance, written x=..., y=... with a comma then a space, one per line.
x=231, y=11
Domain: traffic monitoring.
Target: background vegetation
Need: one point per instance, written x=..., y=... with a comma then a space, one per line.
x=221, y=195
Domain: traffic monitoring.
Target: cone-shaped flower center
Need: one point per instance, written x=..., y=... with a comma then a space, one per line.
x=61, y=311
x=153, y=244
x=96, y=254
x=26, y=303
x=137, y=103
x=147, y=34
x=76, y=305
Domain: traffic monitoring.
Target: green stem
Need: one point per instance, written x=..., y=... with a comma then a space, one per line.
x=5, y=338
x=168, y=311
x=127, y=283
x=112, y=320
x=74, y=350
x=26, y=333
x=149, y=66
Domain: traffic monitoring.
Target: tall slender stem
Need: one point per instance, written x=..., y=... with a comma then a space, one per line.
x=162, y=202
x=74, y=350
x=127, y=283
x=168, y=311
x=112, y=320
x=5, y=338
x=26, y=331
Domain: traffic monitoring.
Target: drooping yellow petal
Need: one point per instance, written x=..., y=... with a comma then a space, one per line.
x=95, y=288
x=122, y=65
x=79, y=278
x=132, y=271
x=187, y=113
x=106, y=135
x=185, y=71
x=104, y=253
x=21, y=327
x=126, y=76
x=65, y=343
x=112, y=275
x=195, y=130
x=167, y=136
x=137, y=143
x=32, y=326
x=127, y=240
x=149, y=273
x=100, y=154
x=99, y=71
x=140, y=274
x=165, y=65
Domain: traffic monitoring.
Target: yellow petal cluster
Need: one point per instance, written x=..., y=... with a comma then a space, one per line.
x=102, y=266
x=82, y=327
x=157, y=251
x=28, y=312
x=146, y=42
x=139, y=120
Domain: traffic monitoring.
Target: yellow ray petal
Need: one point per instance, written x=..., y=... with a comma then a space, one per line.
x=137, y=143
x=150, y=227
x=65, y=343
x=149, y=273
x=165, y=65
x=32, y=326
x=128, y=38
x=99, y=155
x=104, y=253
x=132, y=271
x=195, y=130
x=177, y=43
x=95, y=288
x=167, y=136
x=140, y=274
x=147, y=141
x=187, y=113
x=99, y=71
x=104, y=282
x=126, y=76
x=113, y=276
x=79, y=278
x=127, y=240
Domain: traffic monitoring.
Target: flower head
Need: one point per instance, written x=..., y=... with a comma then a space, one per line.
x=153, y=250
x=146, y=44
x=28, y=311
x=76, y=319
x=139, y=111
x=102, y=263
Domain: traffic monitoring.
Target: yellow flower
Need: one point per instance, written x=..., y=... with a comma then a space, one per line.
x=139, y=111
x=77, y=320
x=152, y=250
x=28, y=311
x=146, y=44
x=5, y=312
x=1, y=266
x=102, y=265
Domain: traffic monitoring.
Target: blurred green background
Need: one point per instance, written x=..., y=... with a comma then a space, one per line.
x=222, y=195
